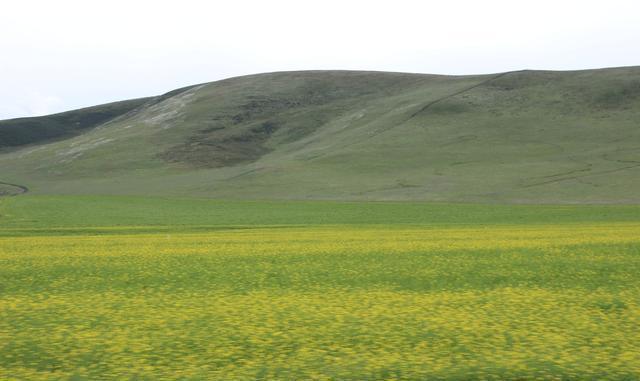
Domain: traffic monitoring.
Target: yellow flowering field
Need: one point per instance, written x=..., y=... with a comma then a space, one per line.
x=538, y=302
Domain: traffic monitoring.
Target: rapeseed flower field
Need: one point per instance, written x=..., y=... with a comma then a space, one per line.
x=539, y=302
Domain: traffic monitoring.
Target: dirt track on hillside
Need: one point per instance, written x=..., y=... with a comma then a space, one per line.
x=20, y=189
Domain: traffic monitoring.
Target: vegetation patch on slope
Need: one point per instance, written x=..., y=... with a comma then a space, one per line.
x=287, y=105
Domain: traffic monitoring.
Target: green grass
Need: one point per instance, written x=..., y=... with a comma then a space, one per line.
x=449, y=292
x=73, y=214
x=522, y=137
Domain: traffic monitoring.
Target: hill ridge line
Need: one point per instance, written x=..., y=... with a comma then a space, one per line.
x=521, y=136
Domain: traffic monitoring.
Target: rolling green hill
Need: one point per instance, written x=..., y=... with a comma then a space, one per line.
x=516, y=137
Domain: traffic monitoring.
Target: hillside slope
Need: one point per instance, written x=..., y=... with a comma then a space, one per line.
x=24, y=131
x=518, y=137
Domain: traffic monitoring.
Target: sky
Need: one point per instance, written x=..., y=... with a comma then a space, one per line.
x=66, y=54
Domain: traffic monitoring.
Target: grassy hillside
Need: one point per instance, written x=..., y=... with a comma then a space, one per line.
x=518, y=137
x=24, y=131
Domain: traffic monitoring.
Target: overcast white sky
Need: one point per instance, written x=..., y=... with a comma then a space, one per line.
x=64, y=54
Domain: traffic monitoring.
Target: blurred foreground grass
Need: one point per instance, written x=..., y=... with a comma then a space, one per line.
x=324, y=302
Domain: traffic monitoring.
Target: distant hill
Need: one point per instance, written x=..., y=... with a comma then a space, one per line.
x=517, y=137
x=23, y=131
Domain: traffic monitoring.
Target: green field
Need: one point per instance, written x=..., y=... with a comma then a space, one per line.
x=86, y=214
x=159, y=288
